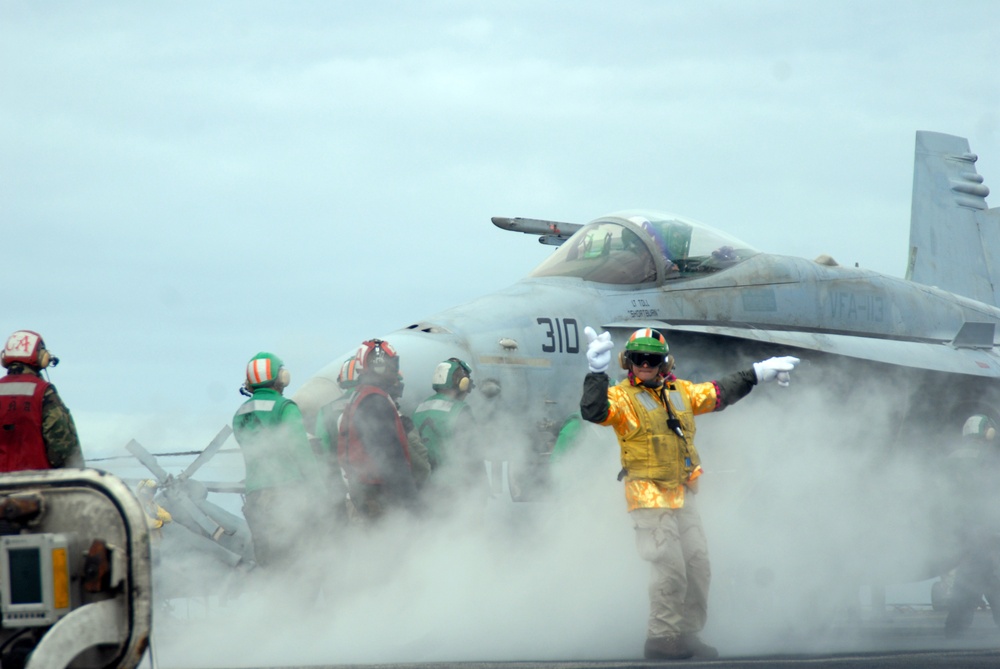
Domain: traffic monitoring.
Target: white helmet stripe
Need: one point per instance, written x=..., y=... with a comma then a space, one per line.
x=259, y=370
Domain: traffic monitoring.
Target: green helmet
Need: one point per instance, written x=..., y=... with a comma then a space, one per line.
x=979, y=427
x=265, y=370
x=647, y=340
x=452, y=374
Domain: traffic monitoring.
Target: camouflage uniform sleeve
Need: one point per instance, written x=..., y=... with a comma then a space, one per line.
x=62, y=445
x=734, y=387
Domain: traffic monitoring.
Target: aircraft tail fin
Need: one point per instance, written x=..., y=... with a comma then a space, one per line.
x=954, y=235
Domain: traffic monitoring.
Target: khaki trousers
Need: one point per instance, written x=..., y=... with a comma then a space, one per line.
x=673, y=542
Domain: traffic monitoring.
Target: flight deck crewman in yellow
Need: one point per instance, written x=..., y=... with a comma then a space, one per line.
x=652, y=413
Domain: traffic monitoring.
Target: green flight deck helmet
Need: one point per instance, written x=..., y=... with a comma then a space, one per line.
x=453, y=374
x=266, y=370
x=647, y=345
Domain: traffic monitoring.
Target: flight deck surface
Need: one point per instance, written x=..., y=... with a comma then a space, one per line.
x=901, y=638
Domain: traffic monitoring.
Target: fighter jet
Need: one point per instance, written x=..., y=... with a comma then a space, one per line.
x=929, y=339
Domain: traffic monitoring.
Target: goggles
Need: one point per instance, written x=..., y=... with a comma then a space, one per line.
x=640, y=359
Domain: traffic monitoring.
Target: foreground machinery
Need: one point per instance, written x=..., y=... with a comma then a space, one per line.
x=75, y=576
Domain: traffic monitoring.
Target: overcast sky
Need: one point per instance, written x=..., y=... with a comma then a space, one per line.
x=184, y=184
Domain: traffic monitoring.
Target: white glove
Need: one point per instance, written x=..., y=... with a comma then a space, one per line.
x=775, y=368
x=598, y=349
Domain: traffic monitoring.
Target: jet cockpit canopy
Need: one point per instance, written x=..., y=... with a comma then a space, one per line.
x=638, y=246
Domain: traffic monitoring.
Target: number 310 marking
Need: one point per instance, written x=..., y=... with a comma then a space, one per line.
x=558, y=331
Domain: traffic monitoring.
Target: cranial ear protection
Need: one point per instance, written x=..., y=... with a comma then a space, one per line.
x=453, y=374
x=465, y=383
x=27, y=346
x=979, y=426
x=261, y=373
x=379, y=357
x=665, y=367
x=349, y=372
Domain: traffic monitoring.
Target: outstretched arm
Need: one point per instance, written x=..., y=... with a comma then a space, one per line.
x=738, y=385
x=594, y=403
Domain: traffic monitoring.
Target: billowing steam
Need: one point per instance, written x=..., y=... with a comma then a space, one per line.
x=808, y=496
x=516, y=581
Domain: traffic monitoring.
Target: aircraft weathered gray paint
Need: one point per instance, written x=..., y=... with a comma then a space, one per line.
x=723, y=304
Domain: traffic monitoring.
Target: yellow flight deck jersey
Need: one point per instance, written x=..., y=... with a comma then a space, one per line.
x=659, y=464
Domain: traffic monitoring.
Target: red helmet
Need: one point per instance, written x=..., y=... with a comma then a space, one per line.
x=377, y=357
x=27, y=347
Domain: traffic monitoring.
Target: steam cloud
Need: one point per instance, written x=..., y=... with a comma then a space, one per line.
x=805, y=500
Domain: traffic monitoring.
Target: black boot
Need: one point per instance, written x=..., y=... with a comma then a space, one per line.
x=666, y=648
x=698, y=647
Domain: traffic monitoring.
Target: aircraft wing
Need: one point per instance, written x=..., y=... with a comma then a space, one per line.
x=940, y=357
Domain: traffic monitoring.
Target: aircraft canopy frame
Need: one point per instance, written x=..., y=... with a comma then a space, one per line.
x=643, y=247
